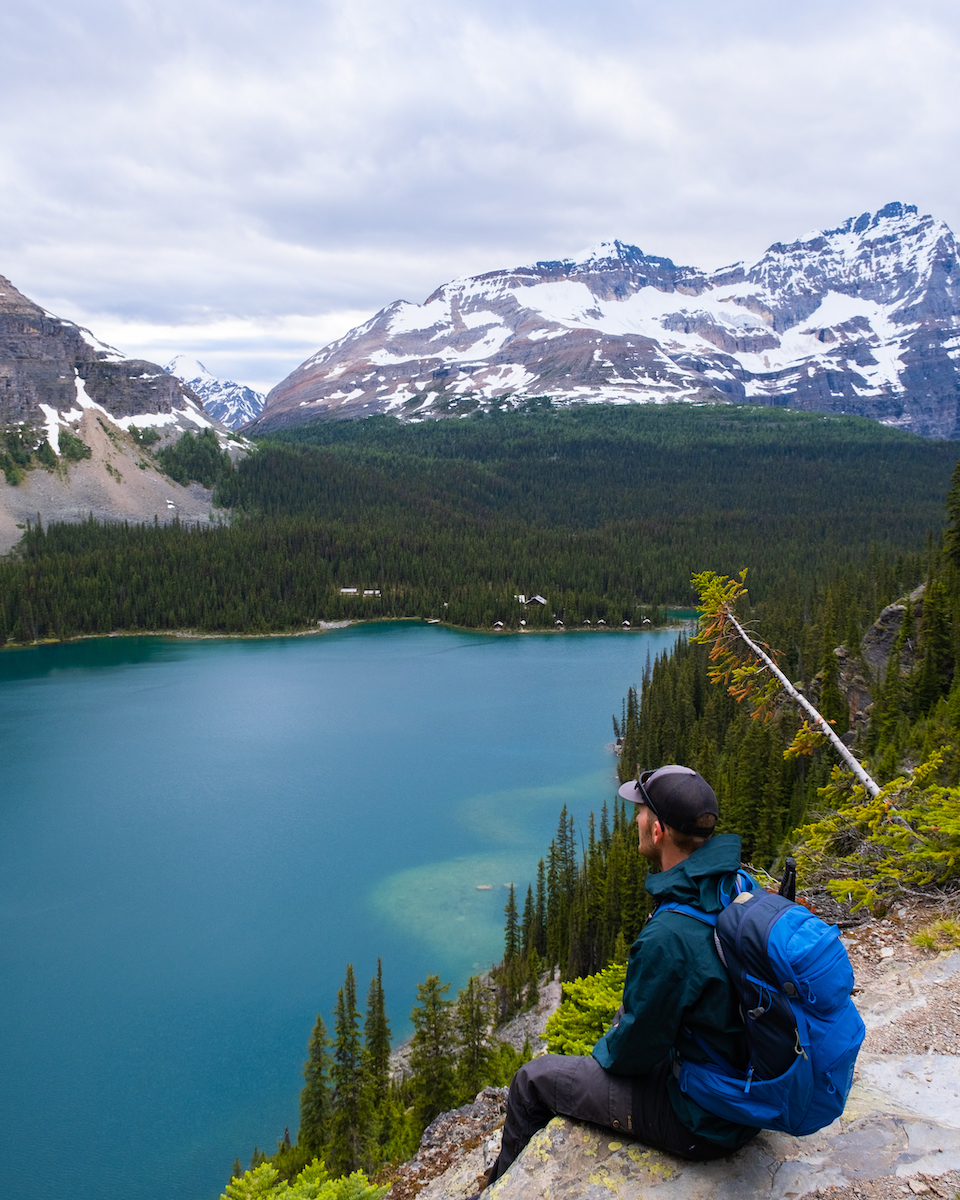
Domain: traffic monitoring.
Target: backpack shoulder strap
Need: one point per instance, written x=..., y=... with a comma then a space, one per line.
x=741, y=882
x=688, y=910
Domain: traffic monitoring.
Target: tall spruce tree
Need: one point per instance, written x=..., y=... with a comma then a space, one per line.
x=511, y=932
x=951, y=537
x=541, y=909
x=832, y=704
x=935, y=670
x=349, y=1125
x=315, y=1097
x=432, y=1051
x=376, y=1063
x=528, y=923
x=474, y=1017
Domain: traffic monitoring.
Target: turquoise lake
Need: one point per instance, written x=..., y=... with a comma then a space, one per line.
x=196, y=837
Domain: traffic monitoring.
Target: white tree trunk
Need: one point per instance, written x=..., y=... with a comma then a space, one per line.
x=824, y=726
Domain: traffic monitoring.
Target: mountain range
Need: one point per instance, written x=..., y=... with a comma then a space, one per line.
x=860, y=319
x=233, y=404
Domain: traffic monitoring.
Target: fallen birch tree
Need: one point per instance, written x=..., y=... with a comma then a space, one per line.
x=748, y=671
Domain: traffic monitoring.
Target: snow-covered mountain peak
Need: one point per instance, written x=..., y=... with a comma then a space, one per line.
x=857, y=318
x=612, y=250
x=892, y=218
x=188, y=369
x=233, y=404
x=891, y=257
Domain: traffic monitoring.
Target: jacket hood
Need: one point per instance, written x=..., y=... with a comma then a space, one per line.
x=697, y=879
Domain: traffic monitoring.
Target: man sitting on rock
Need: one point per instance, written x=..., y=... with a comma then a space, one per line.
x=675, y=982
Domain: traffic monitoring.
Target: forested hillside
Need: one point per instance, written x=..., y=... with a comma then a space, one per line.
x=605, y=512
x=856, y=848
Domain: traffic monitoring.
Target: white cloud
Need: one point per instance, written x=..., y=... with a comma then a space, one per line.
x=258, y=352
x=214, y=166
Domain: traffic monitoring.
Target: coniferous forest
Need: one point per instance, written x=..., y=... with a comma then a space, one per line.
x=605, y=512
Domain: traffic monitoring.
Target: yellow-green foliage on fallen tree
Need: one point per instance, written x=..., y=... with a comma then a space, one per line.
x=313, y=1183
x=867, y=848
x=586, y=1011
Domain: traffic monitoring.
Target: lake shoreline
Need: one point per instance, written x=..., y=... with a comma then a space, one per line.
x=329, y=627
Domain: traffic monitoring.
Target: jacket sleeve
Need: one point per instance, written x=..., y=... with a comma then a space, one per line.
x=658, y=988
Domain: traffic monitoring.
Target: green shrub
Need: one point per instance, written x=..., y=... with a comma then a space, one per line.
x=46, y=455
x=17, y=447
x=145, y=437
x=72, y=448
x=586, y=1012
x=504, y=1064
x=313, y=1183
x=13, y=473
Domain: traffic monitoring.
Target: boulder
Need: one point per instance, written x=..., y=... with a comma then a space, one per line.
x=879, y=639
x=875, y=1138
x=900, y=1129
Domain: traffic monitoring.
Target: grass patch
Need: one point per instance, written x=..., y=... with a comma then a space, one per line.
x=943, y=934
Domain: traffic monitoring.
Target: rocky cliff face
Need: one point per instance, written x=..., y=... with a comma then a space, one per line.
x=49, y=366
x=57, y=379
x=859, y=319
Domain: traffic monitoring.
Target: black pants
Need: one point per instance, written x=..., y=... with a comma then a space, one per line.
x=635, y=1105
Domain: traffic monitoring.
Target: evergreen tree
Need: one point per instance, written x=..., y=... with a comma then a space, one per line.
x=935, y=671
x=376, y=1062
x=474, y=1017
x=528, y=923
x=511, y=932
x=349, y=1125
x=432, y=1051
x=604, y=828
x=315, y=1097
x=631, y=750
x=951, y=537
x=541, y=909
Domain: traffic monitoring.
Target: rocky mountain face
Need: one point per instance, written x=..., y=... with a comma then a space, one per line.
x=860, y=319
x=60, y=385
x=233, y=404
x=52, y=370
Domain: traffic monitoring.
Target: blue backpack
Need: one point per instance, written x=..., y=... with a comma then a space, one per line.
x=793, y=979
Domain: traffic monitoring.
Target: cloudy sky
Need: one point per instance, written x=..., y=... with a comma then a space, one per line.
x=243, y=180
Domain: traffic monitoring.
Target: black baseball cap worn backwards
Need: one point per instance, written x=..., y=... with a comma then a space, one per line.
x=677, y=796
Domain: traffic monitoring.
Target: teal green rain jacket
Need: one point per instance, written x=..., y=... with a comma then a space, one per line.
x=675, y=979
